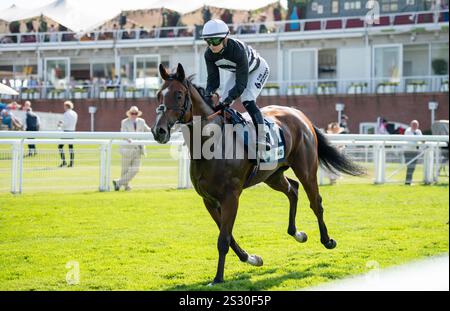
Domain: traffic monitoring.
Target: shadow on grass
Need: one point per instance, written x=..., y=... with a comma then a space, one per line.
x=242, y=281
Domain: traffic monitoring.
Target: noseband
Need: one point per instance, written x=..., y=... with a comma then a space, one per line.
x=162, y=108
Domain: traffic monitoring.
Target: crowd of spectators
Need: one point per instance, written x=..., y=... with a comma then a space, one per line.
x=170, y=26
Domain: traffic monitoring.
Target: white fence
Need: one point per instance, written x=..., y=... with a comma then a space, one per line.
x=375, y=152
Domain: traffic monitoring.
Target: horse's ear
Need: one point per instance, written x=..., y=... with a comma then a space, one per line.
x=180, y=73
x=163, y=72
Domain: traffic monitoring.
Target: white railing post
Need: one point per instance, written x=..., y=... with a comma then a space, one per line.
x=380, y=163
x=181, y=169
x=321, y=177
x=102, y=186
x=187, y=168
x=108, y=165
x=184, y=180
x=437, y=162
x=428, y=166
x=17, y=167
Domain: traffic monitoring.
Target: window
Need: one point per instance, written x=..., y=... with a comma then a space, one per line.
x=389, y=5
x=335, y=7
x=57, y=72
x=103, y=71
x=127, y=69
x=327, y=64
x=387, y=63
x=415, y=60
x=80, y=70
x=439, y=59
x=146, y=73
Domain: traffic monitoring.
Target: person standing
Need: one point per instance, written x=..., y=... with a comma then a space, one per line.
x=411, y=152
x=131, y=154
x=67, y=124
x=33, y=123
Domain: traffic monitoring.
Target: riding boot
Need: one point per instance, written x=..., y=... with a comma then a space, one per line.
x=258, y=120
x=72, y=156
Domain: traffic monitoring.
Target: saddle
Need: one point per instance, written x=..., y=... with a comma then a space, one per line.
x=274, y=135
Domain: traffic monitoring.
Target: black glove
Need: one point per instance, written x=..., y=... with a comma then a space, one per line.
x=221, y=106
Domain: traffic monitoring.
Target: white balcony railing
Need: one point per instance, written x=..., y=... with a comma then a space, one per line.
x=342, y=25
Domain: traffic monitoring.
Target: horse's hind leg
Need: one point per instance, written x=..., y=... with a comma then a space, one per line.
x=289, y=187
x=214, y=210
x=309, y=182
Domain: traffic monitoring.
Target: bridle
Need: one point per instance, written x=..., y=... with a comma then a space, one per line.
x=162, y=108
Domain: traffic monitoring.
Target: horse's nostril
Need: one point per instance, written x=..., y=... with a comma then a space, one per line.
x=161, y=131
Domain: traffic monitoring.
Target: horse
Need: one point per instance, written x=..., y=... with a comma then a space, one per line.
x=220, y=182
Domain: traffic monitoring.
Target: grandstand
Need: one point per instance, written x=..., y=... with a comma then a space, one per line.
x=320, y=53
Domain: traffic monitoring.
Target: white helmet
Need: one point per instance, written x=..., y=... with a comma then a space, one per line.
x=215, y=28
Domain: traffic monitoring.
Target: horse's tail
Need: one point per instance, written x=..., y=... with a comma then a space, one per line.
x=335, y=161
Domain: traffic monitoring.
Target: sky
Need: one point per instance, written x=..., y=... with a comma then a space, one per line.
x=117, y=4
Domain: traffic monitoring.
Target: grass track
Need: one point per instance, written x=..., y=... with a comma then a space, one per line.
x=166, y=240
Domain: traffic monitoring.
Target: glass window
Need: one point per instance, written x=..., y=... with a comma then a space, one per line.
x=126, y=69
x=387, y=63
x=57, y=72
x=7, y=74
x=415, y=60
x=103, y=71
x=303, y=65
x=80, y=71
x=147, y=72
x=439, y=59
x=389, y=5
x=327, y=64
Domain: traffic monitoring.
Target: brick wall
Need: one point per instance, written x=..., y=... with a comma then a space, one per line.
x=320, y=109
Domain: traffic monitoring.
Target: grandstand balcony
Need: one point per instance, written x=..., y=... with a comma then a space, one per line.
x=358, y=62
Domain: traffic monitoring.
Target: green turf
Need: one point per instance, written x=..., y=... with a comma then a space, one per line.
x=166, y=240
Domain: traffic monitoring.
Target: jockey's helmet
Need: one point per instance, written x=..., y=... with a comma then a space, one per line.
x=215, y=28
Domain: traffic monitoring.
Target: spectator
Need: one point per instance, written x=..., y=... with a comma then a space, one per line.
x=277, y=13
x=131, y=154
x=227, y=16
x=411, y=152
x=206, y=13
x=262, y=21
x=9, y=121
x=334, y=128
x=344, y=125
x=32, y=125
x=294, y=16
x=25, y=108
x=53, y=33
x=382, y=126
x=67, y=124
x=13, y=106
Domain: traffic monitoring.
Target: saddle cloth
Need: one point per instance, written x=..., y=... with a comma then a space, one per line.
x=274, y=135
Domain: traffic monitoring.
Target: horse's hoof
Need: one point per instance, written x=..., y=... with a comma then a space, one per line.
x=214, y=283
x=330, y=244
x=255, y=260
x=301, y=237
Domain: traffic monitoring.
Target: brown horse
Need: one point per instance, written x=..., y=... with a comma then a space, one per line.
x=220, y=182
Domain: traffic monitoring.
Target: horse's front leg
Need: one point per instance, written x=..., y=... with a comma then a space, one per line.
x=228, y=214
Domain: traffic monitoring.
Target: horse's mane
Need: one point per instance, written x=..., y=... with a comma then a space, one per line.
x=200, y=90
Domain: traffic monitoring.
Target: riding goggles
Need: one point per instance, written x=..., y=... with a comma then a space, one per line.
x=214, y=41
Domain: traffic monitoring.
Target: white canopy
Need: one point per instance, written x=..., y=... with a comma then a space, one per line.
x=14, y=13
x=84, y=15
x=4, y=89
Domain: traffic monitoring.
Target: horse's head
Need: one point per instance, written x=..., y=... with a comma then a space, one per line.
x=174, y=103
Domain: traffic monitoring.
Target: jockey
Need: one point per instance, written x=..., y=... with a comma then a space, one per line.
x=249, y=73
